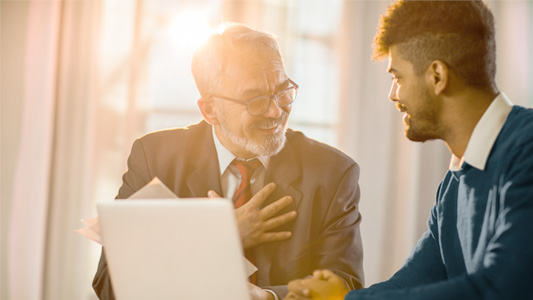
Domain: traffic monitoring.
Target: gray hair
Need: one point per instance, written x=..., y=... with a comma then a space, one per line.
x=210, y=60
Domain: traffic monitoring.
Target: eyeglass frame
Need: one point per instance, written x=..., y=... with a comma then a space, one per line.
x=270, y=97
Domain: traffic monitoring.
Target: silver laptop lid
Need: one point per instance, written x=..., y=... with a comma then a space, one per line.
x=173, y=249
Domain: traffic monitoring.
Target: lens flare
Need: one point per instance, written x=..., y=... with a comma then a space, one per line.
x=190, y=28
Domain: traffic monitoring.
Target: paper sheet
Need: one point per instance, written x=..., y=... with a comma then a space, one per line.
x=155, y=189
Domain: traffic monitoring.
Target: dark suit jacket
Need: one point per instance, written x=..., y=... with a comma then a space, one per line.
x=322, y=180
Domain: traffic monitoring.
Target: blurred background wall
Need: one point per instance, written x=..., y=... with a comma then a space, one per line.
x=80, y=80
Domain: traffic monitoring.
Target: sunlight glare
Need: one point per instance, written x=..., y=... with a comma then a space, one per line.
x=190, y=28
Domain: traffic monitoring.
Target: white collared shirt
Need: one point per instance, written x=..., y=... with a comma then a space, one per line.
x=484, y=134
x=230, y=177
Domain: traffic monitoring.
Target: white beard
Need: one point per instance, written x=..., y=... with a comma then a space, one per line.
x=271, y=145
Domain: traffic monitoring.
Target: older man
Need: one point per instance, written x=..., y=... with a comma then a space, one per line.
x=304, y=211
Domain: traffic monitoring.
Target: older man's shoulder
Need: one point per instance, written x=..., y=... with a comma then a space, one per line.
x=308, y=148
x=181, y=133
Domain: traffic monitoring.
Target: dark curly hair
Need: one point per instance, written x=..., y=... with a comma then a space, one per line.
x=458, y=33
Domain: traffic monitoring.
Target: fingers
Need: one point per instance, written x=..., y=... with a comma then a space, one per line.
x=293, y=296
x=278, y=221
x=254, y=224
x=273, y=208
x=274, y=236
x=297, y=289
x=261, y=196
x=326, y=283
x=212, y=194
x=328, y=274
x=319, y=274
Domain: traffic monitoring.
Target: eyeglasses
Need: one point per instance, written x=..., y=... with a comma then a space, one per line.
x=259, y=105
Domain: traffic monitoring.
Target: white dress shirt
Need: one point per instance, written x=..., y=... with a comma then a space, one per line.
x=230, y=177
x=484, y=134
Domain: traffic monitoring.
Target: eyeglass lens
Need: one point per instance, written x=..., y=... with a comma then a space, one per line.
x=261, y=104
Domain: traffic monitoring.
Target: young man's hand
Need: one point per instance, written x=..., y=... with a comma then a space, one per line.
x=324, y=285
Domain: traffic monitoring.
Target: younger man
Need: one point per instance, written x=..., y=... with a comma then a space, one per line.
x=478, y=244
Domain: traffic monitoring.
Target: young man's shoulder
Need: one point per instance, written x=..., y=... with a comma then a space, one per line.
x=518, y=128
x=515, y=141
x=521, y=118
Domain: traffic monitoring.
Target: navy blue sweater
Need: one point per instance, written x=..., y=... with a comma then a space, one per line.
x=479, y=242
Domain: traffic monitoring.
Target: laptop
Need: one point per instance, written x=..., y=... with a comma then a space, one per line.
x=173, y=249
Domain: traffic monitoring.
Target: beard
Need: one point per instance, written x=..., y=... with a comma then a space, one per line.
x=417, y=132
x=422, y=122
x=267, y=145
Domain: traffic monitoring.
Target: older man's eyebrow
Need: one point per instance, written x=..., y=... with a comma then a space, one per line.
x=258, y=92
x=250, y=93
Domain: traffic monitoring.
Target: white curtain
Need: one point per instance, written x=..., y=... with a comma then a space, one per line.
x=72, y=161
x=80, y=81
x=49, y=186
x=30, y=96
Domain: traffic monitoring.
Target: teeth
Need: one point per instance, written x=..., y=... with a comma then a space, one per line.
x=269, y=125
x=274, y=126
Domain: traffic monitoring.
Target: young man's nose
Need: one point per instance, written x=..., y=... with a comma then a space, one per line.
x=392, y=93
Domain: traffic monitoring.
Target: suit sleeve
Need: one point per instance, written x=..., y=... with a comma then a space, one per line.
x=337, y=243
x=136, y=177
x=507, y=262
x=339, y=246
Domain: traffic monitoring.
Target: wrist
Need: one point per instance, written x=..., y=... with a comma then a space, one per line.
x=272, y=295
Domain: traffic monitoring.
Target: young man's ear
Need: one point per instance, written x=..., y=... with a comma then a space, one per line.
x=438, y=76
x=208, y=111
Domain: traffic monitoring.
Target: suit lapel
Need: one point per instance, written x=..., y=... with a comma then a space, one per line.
x=204, y=174
x=205, y=171
x=284, y=169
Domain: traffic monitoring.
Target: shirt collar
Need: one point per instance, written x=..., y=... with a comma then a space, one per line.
x=484, y=134
x=225, y=157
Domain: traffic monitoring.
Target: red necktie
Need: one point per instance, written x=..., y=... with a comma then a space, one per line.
x=247, y=169
x=244, y=193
